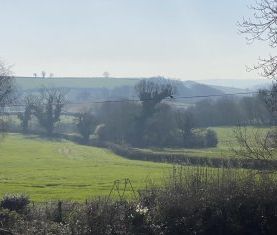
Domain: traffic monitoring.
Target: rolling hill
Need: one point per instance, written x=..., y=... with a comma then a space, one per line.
x=101, y=88
x=29, y=83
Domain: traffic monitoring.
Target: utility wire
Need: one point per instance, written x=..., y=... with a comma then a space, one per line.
x=171, y=98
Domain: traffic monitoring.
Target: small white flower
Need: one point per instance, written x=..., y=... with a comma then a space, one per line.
x=141, y=210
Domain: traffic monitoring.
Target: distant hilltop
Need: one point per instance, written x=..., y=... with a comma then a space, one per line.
x=252, y=84
x=206, y=86
x=27, y=83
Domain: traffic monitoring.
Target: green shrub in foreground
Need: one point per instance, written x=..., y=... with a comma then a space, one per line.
x=15, y=202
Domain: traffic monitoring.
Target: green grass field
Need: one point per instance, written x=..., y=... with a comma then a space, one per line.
x=50, y=170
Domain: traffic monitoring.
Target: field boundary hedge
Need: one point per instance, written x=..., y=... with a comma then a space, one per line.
x=136, y=154
x=175, y=158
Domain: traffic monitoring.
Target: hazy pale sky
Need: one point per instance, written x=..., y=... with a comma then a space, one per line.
x=185, y=39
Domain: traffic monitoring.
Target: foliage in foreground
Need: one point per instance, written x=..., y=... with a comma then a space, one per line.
x=226, y=203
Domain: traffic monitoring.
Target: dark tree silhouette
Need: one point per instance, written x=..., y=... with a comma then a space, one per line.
x=151, y=93
x=185, y=123
x=43, y=74
x=6, y=85
x=7, y=88
x=25, y=117
x=269, y=97
x=86, y=124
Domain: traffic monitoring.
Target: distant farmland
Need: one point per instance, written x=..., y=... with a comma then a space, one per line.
x=27, y=83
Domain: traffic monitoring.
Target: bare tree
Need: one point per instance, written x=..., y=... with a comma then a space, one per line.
x=263, y=27
x=260, y=145
x=151, y=93
x=48, y=108
x=7, y=88
x=106, y=74
x=269, y=97
x=6, y=85
x=43, y=74
x=256, y=144
x=25, y=117
x=86, y=124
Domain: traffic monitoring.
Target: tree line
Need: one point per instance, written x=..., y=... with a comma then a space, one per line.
x=153, y=121
x=230, y=111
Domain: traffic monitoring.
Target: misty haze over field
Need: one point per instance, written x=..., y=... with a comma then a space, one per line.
x=146, y=117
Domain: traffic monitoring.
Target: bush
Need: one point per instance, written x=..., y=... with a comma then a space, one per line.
x=8, y=218
x=86, y=124
x=202, y=138
x=222, y=203
x=211, y=138
x=15, y=202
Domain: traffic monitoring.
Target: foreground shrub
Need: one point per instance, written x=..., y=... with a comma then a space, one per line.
x=8, y=219
x=16, y=202
x=224, y=203
x=190, y=201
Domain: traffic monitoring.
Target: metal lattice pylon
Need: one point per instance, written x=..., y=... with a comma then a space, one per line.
x=121, y=191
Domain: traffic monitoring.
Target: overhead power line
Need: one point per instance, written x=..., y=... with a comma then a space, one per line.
x=172, y=98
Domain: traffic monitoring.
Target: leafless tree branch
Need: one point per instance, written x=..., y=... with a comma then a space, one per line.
x=263, y=27
x=255, y=144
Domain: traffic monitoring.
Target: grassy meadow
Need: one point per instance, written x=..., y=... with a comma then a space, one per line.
x=60, y=169
x=50, y=170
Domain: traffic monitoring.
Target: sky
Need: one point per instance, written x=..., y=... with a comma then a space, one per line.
x=181, y=39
